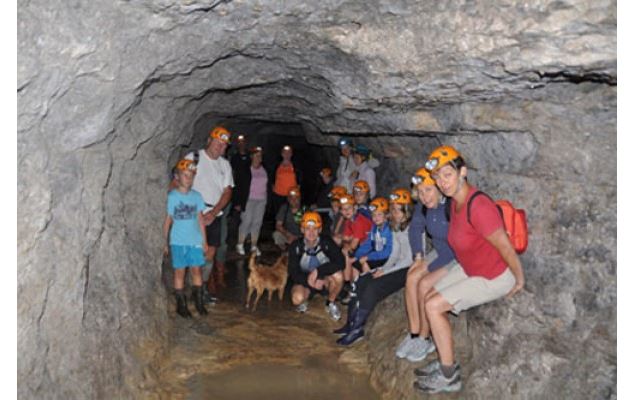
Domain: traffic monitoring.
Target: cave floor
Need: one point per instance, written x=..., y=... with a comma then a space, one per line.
x=272, y=353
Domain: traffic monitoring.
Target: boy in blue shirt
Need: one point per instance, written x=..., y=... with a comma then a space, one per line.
x=375, y=250
x=187, y=239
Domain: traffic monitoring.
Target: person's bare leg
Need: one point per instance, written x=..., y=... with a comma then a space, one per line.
x=299, y=294
x=412, y=304
x=197, y=279
x=437, y=312
x=335, y=284
x=179, y=278
x=424, y=290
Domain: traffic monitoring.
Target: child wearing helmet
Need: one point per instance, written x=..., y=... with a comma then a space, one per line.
x=490, y=267
x=430, y=219
x=356, y=229
x=375, y=250
x=361, y=192
x=315, y=266
x=185, y=239
x=388, y=278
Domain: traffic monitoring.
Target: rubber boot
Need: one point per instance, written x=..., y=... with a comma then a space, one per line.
x=357, y=330
x=198, y=300
x=181, y=304
x=350, y=317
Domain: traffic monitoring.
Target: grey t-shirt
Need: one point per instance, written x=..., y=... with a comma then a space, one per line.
x=288, y=219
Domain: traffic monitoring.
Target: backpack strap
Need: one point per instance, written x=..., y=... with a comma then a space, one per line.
x=469, y=205
x=197, y=156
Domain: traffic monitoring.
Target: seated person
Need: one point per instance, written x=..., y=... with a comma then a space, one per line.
x=315, y=265
x=288, y=220
x=356, y=229
x=371, y=288
x=361, y=192
x=374, y=251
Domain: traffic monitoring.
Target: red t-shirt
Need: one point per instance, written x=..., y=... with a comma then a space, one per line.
x=477, y=256
x=358, y=228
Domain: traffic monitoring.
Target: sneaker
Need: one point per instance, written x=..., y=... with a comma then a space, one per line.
x=437, y=382
x=430, y=368
x=334, y=311
x=419, y=349
x=404, y=346
x=302, y=307
x=240, y=248
x=208, y=298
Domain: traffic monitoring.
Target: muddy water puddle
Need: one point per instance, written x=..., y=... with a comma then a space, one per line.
x=272, y=353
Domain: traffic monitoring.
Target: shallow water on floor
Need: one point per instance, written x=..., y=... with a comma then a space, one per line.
x=272, y=353
x=324, y=380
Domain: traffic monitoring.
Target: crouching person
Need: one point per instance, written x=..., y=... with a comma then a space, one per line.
x=184, y=233
x=315, y=265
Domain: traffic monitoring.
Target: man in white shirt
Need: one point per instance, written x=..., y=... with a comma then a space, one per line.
x=214, y=181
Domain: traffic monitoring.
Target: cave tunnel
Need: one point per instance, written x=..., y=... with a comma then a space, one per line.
x=111, y=94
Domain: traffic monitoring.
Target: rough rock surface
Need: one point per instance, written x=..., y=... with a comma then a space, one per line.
x=108, y=90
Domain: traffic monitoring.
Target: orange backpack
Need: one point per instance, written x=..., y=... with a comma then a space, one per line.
x=514, y=219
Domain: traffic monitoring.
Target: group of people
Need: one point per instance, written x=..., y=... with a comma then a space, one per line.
x=353, y=247
x=373, y=248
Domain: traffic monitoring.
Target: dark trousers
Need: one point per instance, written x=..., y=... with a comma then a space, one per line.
x=277, y=202
x=371, y=291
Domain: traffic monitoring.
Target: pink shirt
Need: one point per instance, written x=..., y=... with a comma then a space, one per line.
x=258, y=187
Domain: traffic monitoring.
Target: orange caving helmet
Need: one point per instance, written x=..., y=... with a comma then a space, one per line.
x=422, y=177
x=326, y=172
x=337, y=192
x=294, y=191
x=361, y=186
x=255, y=150
x=311, y=218
x=186, y=165
x=441, y=156
x=347, y=199
x=401, y=196
x=379, y=204
x=221, y=134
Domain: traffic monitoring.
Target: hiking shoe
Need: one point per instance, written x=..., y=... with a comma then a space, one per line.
x=302, y=307
x=437, y=382
x=430, y=368
x=208, y=298
x=419, y=349
x=334, y=311
x=404, y=346
x=240, y=249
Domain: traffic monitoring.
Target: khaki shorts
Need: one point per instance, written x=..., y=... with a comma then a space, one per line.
x=464, y=292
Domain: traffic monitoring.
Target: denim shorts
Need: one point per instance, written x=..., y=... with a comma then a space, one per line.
x=187, y=256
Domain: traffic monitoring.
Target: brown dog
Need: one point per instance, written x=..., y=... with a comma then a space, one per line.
x=263, y=277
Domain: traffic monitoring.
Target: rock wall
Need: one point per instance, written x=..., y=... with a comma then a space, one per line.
x=108, y=90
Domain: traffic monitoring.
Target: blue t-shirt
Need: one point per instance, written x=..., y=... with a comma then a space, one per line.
x=184, y=209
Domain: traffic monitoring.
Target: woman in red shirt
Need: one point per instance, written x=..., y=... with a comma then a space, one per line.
x=490, y=267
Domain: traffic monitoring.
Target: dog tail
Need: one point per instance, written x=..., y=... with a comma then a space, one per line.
x=252, y=261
